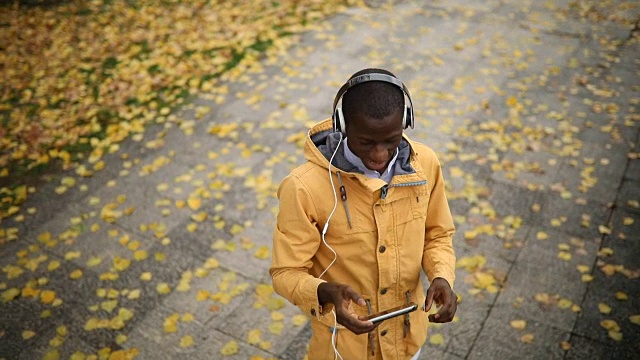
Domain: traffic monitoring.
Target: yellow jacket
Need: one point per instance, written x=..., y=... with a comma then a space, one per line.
x=396, y=231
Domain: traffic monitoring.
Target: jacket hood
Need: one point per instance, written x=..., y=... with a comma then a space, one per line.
x=322, y=142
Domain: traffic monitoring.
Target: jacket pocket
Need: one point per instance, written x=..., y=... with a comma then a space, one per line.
x=420, y=205
x=411, y=208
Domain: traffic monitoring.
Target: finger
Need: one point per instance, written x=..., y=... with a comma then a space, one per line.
x=445, y=314
x=357, y=326
x=429, y=300
x=354, y=296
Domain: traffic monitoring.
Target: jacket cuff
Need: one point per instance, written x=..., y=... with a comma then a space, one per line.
x=309, y=296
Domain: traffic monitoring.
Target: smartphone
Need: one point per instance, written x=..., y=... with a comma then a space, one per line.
x=388, y=314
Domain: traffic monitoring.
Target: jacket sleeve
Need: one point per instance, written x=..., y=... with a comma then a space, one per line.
x=295, y=242
x=438, y=258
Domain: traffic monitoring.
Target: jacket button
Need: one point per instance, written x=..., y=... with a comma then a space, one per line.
x=383, y=333
x=382, y=249
x=313, y=312
x=383, y=291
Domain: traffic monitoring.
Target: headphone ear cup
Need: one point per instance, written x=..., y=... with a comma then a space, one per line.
x=407, y=121
x=338, y=121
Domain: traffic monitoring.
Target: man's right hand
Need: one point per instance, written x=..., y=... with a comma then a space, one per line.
x=340, y=296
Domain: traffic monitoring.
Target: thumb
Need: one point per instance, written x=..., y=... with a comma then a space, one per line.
x=429, y=300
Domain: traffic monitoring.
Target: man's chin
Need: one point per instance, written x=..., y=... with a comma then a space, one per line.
x=379, y=169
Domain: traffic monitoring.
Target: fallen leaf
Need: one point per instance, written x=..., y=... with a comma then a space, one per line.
x=186, y=341
x=230, y=348
x=436, y=339
x=518, y=324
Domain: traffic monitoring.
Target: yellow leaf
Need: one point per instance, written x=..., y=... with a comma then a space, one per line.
x=264, y=290
x=483, y=280
x=201, y=273
x=527, y=338
x=627, y=221
x=605, y=230
x=28, y=334
x=621, y=296
x=436, y=339
x=635, y=319
x=134, y=294
x=277, y=316
x=615, y=335
x=275, y=303
x=586, y=278
x=276, y=328
x=192, y=227
x=604, y=308
x=54, y=264
x=299, y=320
x=163, y=288
x=471, y=263
x=236, y=229
x=200, y=217
x=230, y=246
x=564, y=303
x=263, y=252
x=94, y=261
x=186, y=341
x=610, y=325
x=188, y=317
x=605, y=251
x=44, y=237
x=75, y=274
x=518, y=324
x=194, y=203
x=583, y=268
x=146, y=276
x=218, y=244
x=230, y=348
x=52, y=355
x=563, y=255
x=121, y=264
x=121, y=339
x=541, y=235
x=170, y=324
x=211, y=263
x=71, y=255
x=47, y=296
x=202, y=295
x=109, y=305
x=140, y=255
x=254, y=336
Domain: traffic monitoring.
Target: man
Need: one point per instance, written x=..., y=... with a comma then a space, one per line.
x=359, y=221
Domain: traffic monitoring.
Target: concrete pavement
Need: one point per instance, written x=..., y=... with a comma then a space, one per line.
x=533, y=108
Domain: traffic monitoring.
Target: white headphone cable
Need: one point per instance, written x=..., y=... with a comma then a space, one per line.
x=335, y=205
x=335, y=255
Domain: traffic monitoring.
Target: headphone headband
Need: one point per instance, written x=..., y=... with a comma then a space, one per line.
x=338, y=118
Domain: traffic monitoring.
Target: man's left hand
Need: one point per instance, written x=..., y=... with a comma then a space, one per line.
x=440, y=292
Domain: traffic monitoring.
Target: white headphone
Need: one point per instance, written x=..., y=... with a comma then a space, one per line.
x=338, y=118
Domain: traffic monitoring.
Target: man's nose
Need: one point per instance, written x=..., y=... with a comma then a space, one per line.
x=379, y=153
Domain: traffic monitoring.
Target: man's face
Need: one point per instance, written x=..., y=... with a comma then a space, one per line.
x=375, y=141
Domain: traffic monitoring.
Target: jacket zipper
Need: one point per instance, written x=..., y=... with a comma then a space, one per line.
x=385, y=188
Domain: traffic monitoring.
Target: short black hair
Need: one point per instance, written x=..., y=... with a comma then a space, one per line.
x=375, y=99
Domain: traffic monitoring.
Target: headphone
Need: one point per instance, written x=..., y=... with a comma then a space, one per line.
x=338, y=117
